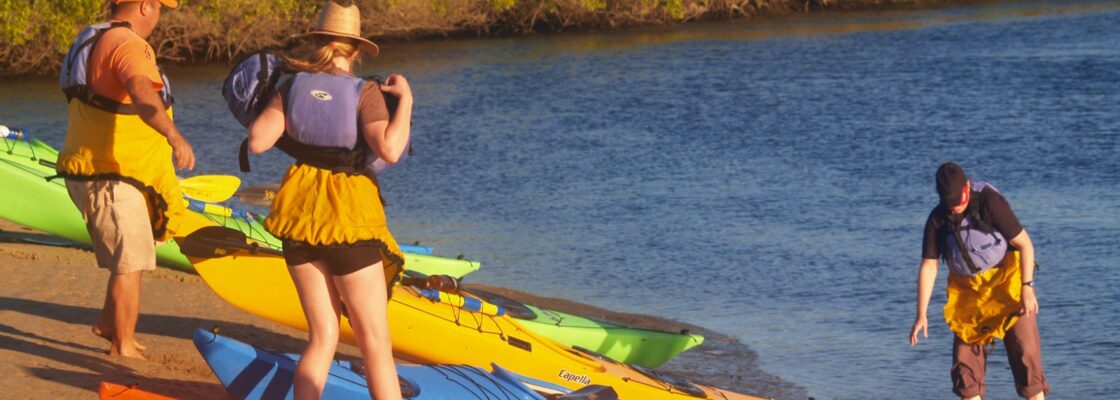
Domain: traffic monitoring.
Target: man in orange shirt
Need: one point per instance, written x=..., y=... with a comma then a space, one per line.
x=117, y=158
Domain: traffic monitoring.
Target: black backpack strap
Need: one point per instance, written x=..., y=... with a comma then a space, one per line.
x=262, y=75
x=257, y=99
x=243, y=155
x=337, y=159
x=266, y=85
x=350, y=161
x=974, y=212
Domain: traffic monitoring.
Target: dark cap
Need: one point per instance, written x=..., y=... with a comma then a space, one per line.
x=950, y=180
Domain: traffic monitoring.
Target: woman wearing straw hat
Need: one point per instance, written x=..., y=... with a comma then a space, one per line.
x=328, y=213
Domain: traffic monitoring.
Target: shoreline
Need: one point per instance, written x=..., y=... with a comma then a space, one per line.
x=52, y=295
x=720, y=361
x=207, y=33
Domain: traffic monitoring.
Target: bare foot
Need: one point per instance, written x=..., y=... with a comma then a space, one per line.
x=107, y=335
x=127, y=352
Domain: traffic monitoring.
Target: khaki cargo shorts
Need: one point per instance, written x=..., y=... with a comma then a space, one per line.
x=116, y=216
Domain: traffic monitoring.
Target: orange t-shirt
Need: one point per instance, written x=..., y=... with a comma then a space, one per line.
x=119, y=55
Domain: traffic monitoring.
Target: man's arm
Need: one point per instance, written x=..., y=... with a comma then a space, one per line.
x=1022, y=241
x=927, y=276
x=1007, y=223
x=150, y=108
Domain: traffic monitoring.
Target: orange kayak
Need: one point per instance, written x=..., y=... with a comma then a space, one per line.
x=112, y=391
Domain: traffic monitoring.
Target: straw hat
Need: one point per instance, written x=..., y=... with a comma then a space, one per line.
x=166, y=3
x=342, y=21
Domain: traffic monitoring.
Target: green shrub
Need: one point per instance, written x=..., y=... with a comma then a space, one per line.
x=36, y=33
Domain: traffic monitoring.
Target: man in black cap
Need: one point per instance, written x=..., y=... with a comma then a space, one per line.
x=991, y=284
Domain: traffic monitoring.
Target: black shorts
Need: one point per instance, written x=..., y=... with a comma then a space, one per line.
x=340, y=260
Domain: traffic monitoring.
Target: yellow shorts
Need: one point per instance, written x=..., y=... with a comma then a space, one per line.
x=116, y=216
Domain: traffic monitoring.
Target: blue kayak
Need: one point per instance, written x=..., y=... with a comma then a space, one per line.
x=249, y=372
x=416, y=248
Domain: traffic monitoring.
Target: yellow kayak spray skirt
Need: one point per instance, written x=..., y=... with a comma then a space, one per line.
x=984, y=307
x=332, y=209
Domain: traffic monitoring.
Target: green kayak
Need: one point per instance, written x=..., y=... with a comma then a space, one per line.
x=643, y=347
x=30, y=200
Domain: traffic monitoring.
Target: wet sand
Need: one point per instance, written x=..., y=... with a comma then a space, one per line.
x=51, y=295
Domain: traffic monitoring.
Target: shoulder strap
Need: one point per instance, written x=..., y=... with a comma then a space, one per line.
x=267, y=84
x=243, y=156
x=974, y=213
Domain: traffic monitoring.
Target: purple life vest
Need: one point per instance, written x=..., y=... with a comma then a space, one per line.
x=321, y=109
x=321, y=115
x=75, y=72
x=985, y=245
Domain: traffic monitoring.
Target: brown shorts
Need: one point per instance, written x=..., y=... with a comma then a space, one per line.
x=1024, y=354
x=116, y=216
x=339, y=260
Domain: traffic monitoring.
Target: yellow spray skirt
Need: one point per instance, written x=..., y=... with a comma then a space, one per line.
x=984, y=307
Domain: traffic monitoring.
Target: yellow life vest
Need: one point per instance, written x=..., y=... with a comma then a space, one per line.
x=985, y=306
x=103, y=145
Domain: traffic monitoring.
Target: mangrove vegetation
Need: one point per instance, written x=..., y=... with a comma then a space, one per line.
x=36, y=33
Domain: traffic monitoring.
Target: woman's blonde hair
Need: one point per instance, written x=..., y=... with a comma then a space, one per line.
x=326, y=48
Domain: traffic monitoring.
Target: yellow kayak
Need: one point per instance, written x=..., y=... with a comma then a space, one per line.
x=427, y=331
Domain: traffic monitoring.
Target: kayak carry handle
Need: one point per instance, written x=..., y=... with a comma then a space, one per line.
x=467, y=303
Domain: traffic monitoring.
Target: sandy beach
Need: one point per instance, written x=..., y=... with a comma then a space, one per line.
x=52, y=294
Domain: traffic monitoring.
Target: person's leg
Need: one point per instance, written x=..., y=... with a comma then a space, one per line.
x=319, y=301
x=124, y=290
x=969, y=363
x=1024, y=354
x=122, y=243
x=104, y=325
x=364, y=293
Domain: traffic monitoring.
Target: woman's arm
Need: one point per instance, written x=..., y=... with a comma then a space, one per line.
x=388, y=139
x=268, y=127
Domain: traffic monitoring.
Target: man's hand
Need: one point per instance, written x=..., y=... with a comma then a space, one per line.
x=919, y=325
x=181, y=152
x=150, y=108
x=1029, y=302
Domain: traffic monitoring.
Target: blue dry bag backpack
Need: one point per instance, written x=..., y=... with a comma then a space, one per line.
x=251, y=83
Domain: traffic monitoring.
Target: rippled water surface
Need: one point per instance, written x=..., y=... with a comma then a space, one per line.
x=766, y=179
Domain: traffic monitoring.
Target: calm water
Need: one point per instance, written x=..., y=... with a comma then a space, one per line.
x=767, y=179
